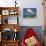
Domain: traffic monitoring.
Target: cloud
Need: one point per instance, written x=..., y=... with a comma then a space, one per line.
x=29, y=10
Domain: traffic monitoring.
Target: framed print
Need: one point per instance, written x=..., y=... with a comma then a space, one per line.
x=5, y=12
x=29, y=12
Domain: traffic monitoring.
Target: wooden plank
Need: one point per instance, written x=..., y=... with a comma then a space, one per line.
x=10, y=26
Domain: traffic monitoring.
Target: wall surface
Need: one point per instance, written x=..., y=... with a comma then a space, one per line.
x=38, y=21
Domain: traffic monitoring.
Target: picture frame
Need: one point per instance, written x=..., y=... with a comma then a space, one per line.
x=5, y=12
x=29, y=12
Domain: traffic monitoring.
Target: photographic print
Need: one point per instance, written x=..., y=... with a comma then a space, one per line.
x=29, y=12
x=5, y=12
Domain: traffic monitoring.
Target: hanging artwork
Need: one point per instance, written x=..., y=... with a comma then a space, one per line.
x=29, y=12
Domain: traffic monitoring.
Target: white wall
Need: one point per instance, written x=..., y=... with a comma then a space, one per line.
x=38, y=21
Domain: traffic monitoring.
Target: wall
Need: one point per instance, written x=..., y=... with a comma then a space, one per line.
x=38, y=21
